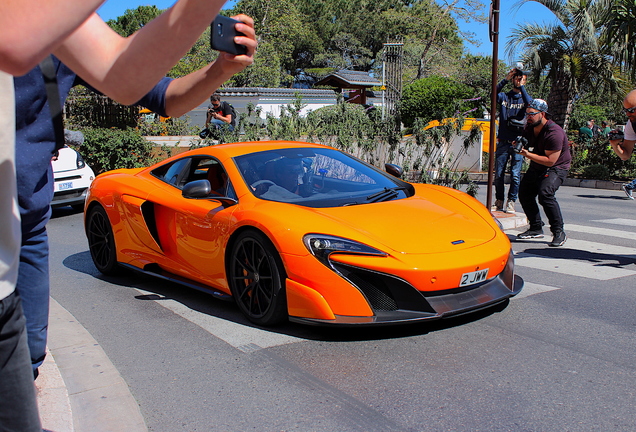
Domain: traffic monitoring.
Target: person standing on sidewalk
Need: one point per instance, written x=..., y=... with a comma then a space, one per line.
x=512, y=108
x=624, y=147
x=35, y=135
x=29, y=30
x=548, y=150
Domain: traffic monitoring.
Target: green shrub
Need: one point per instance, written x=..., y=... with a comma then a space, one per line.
x=108, y=149
x=598, y=172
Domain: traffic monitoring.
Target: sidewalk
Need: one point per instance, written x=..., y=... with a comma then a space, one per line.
x=79, y=389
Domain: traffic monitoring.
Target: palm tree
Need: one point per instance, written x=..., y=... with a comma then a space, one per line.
x=619, y=33
x=567, y=53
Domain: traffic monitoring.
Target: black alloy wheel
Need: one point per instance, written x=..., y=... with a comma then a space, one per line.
x=101, y=241
x=257, y=279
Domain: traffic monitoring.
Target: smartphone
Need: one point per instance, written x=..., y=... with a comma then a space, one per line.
x=222, y=33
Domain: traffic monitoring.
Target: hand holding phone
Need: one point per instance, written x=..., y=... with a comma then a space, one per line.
x=222, y=33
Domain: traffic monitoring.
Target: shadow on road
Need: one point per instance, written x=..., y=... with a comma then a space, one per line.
x=161, y=290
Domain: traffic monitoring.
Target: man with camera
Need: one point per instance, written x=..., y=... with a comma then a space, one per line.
x=220, y=115
x=546, y=145
x=512, y=107
x=623, y=142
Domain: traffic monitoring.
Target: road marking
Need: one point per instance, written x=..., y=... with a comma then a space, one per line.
x=571, y=267
x=530, y=288
x=237, y=335
x=602, y=231
x=617, y=221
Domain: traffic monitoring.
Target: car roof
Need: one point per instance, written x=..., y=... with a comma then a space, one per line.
x=231, y=150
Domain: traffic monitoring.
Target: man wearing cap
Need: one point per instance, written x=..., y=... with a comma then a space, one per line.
x=512, y=107
x=549, y=154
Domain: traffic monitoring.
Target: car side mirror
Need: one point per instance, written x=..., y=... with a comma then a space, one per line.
x=201, y=189
x=394, y=170
x=196, y=189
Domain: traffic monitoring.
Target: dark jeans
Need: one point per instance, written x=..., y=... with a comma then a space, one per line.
x=18, y=406
x=33, y=287
x=542, y=183
x=502, y=155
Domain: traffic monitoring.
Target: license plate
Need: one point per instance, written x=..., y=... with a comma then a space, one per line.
x=473, y=277
x=65, y=186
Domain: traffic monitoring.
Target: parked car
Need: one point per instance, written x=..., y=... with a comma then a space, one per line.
x=72, y=178
x=291, y=230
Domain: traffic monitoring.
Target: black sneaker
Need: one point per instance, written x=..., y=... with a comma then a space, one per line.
x=558, y=239
x=531, y=233
x=628, y=191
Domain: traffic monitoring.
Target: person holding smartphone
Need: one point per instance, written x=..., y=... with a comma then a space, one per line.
x=220, y=114
x=130, y=70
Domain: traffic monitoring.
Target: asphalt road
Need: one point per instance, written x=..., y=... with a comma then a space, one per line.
x=559, y=357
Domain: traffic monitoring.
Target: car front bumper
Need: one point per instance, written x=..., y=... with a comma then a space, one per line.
x=486, y=295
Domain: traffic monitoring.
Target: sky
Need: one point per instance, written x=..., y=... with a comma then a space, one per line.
x=508, y=19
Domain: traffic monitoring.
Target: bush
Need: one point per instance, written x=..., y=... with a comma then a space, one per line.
x=598, y=172
x=108, y=149
x=599, y=153
x=433, y=98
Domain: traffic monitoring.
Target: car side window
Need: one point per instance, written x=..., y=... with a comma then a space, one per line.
x=173, y=173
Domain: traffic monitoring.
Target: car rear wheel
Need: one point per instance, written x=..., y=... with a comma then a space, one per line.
x=101, y=241
x=257, y=279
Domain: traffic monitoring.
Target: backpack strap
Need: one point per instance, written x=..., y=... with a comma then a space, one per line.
x=53, y=95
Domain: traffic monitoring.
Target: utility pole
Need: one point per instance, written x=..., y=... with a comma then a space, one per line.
x=494, y=38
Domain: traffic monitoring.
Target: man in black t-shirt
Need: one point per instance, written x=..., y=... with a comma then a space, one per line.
x=549, y=153
x=220, y=114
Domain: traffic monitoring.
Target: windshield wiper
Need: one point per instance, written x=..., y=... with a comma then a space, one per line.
x=385, y=195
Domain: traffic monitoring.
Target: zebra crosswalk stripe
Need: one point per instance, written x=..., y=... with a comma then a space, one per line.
x=602, y=262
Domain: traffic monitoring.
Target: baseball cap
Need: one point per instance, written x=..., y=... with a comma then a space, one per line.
x=539, y=105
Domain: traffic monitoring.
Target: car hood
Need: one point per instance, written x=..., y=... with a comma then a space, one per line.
x=416, y=225
x=66, y=160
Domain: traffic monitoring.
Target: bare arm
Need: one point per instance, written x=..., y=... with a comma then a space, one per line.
x=31, y=29
x=550, y=158
x=623, y=148
x=127, y=68
x=188, y=92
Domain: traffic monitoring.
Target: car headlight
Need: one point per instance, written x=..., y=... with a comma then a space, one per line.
x=80, y=161
x=322, y=245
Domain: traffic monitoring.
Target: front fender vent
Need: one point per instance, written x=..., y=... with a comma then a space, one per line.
x=384, y=292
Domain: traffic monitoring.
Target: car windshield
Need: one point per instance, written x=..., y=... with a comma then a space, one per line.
x=317, y=177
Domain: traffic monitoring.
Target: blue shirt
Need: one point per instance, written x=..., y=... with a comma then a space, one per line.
x=35, y=138
x=512, y=106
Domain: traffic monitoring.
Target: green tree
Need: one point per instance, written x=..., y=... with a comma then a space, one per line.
x=134, y=19
x=619, y=33
x=433, y=98
x=567, y=52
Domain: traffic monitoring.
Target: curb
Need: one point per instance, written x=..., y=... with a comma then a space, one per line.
x=90, y=395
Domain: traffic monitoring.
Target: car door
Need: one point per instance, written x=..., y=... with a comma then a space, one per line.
x=192, y=233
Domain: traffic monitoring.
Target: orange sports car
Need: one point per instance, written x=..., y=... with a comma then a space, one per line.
x=305, y=232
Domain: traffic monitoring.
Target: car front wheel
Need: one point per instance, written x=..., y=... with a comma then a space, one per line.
x=101, y=241
x=257, y=279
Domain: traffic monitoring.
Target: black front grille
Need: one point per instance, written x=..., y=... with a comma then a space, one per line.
x=384, y=292
x=63, y=195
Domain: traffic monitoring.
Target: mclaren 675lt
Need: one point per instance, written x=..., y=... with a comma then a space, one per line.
x=301, y=232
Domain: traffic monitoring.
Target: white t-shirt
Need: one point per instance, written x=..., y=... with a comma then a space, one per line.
x=9, y=213
x=629, y=131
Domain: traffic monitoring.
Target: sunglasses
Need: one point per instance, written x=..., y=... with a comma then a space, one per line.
x=631, y=110
x=530, y=114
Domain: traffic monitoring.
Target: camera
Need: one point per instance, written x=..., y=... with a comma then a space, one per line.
x=616, y=135
x=520, y=144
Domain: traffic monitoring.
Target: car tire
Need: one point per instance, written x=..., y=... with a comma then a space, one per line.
x=101, y=241
x=257, y=279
